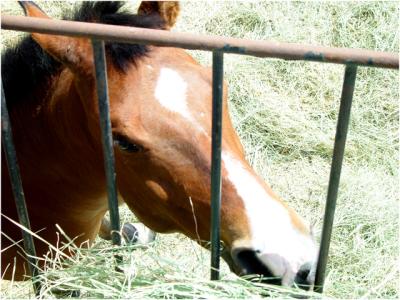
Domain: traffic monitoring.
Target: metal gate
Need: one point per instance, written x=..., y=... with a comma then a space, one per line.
x=351, y=58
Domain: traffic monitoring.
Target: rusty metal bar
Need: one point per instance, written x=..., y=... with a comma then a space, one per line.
x=107, y=140
x=7, y=145
x=336, y=168
x=217, y=90
x=125, y=34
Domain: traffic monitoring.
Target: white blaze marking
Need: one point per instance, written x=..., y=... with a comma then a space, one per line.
x=264, y=212
x=171, y=92
x=271, y=226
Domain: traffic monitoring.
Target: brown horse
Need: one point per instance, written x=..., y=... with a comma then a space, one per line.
x=160, y=101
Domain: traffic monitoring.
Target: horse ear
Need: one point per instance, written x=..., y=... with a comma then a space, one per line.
x=168, y=10
x=31, y=9
x=75, y=53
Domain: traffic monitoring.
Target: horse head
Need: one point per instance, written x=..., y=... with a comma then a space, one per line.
x=160, y=105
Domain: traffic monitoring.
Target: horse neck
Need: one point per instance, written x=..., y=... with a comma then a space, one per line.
x=55, y=144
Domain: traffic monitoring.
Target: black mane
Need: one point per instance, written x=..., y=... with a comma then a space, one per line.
x=26, y=66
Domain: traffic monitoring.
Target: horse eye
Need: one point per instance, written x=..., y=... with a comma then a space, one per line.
x=126, y=145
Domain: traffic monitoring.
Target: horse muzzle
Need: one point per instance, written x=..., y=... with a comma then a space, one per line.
x=274, y=269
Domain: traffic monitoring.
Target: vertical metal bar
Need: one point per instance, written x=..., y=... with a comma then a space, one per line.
x=218, y=74
x=336, y=167
x=19, y=196
x=107, y=140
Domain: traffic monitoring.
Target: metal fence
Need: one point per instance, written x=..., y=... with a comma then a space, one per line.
x=351, y=58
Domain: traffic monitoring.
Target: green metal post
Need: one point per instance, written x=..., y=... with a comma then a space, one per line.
x=19, y=196
x=336, y=167
x=218, y=74
x=107, y=139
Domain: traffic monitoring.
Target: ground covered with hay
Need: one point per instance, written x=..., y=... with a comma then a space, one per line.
x=285, y=113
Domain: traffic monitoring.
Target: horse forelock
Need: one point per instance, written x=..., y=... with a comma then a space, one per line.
x=112, y=13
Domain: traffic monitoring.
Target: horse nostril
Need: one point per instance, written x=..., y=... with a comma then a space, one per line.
x=303, y=274
x=250, y=264
x=301, y=278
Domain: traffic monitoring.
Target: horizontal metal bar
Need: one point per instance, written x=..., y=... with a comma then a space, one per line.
x=218, y=75
x=107, y=140
x=18, y=192
x=336, y=168
x=124, y=34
